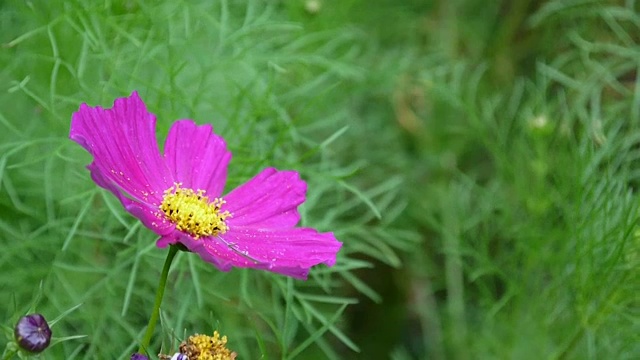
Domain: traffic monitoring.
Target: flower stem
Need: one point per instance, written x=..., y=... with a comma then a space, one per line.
x=9, y=354
x=173, y=249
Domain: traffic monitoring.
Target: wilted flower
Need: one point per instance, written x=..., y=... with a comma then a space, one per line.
x=32, y=333
x=204, y=347
x=178, y=194
x=313, y=6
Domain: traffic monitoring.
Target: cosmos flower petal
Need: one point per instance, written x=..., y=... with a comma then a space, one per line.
x=148, y=214
x=194, y=245
x=289, y=252
x=175, y=237
x=197, y=157
x=270, y=200
x=123, y=144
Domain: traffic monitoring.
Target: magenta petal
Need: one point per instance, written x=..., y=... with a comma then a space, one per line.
x=123, y=144
x=197, y=157
x=270, y=200
x=148, y=214
x=290, y=252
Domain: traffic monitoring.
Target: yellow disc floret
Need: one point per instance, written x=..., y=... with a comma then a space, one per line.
x=204, y=347
x=192, y=212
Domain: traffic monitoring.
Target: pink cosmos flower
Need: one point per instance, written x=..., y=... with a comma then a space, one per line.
x=178, y=194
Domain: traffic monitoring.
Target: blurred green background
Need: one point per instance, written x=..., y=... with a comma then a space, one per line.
x=479, y=160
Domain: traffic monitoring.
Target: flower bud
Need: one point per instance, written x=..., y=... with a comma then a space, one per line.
x=32, y=333
x=138, y=356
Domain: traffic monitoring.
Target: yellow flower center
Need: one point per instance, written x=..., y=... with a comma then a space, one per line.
x=192, y=212
x=204, y=347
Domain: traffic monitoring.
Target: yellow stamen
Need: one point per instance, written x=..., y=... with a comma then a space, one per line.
x=192, y=212
x=204, y=347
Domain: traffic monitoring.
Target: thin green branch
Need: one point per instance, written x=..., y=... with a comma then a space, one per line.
x=144, y=345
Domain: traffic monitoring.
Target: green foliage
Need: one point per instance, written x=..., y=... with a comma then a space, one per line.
x=240, y=66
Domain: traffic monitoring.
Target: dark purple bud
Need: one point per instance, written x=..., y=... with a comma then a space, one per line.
x=32, y=333
x=137, y=356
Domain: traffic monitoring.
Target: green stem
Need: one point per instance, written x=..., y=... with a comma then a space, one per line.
x=144, y=345
x=9, y=354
